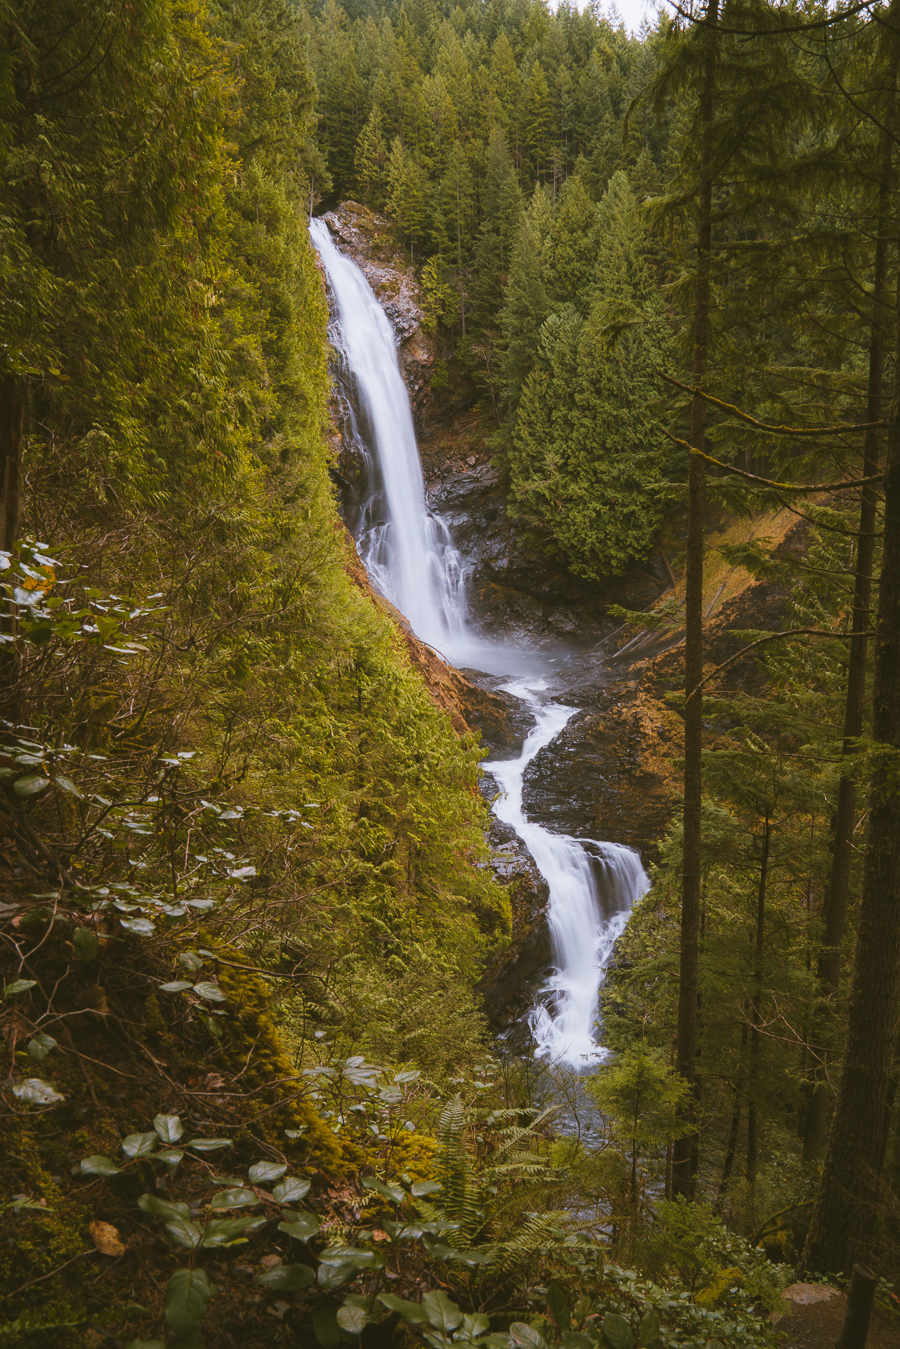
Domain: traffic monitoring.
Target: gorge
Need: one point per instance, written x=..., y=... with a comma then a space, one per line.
x=410, y=556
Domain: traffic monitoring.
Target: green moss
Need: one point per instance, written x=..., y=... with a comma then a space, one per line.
x=38, y=1241
x=253, y=1047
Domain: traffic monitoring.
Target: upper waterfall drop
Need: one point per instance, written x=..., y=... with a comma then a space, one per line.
x=409, y=553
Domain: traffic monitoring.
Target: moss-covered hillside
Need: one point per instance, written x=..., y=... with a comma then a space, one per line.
x=238, y=839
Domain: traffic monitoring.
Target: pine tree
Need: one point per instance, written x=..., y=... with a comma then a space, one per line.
x=407, y=193
x=527, y=301
x=536, y=121
x=370, y=160
x=586, y=462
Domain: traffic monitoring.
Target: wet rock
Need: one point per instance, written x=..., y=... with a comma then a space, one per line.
x=508, y=984
x=593, y=781
x=368, y=239
x=515, y=592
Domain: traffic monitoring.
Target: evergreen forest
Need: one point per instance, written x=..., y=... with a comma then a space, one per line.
x=249, y=912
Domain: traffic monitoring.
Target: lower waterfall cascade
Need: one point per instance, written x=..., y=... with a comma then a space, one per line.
x=411, y=560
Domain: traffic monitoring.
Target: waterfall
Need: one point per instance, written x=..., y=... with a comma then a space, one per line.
x=411, y=559
x=585, y=919
x=408, y=552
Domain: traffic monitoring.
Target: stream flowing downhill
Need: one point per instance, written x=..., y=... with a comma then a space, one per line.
x=411, y=560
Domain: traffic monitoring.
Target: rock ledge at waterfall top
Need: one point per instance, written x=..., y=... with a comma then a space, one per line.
x=368, y=238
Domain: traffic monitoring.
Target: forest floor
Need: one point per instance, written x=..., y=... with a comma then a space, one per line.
x=817, y=1324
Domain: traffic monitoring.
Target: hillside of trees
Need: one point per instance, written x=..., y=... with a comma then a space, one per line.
x=245, y=901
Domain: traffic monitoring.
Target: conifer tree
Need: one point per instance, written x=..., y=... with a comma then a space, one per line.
x=536, y=121
x=685, y=1151
x=370, y=160
x=585, y=462
x=527, y=302
x=844, y=1218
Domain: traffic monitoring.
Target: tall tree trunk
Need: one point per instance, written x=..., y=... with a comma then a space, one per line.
x=685, y=1153
x=756, y=1007
x=734, y=1129
x=828, y=970
x=12, y=411
x=844, y=1214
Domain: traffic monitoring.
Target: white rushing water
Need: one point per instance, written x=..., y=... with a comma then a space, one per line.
x=410, y=557
x=409, y=553
x=584, y=919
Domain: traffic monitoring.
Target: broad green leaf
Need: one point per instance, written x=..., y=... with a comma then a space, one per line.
x=86, y=943
x=176, y=986
x=392, y=1192
x=168, y=1127
x=423, y=1187
x=40, y=1045
x=263, y=1172
x=350, y=1255
x=443, y=1314
x=360, y=1073
x=69, y=786
x=169, y=1156
x=291, y=1190
x=522, y=1336
x=326, y=1329
x=184, y=1232
x=411, y=1312
x=224, y=1231
x=190, y=960
x=332, y=1277
x=139, y=1145
x=302, y=1227
x=573, y=1339
x=187, y=1297
x=237, y=1198
x=30, y=786
x=209, y=1144
x=617, y=1332
x=19, y=986
x=141, y=926
x=477, y=1324
x=287, y=1278
x=470, y=1259
x=163, y=1208
x=352, y=1319
x=99, y=1166
x=649, y=1329
x=210, y=991
x=36, y=1092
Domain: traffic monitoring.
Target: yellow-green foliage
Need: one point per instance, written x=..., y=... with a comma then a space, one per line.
x=321, y=803
x=411, y=1158
x=723, y=1282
